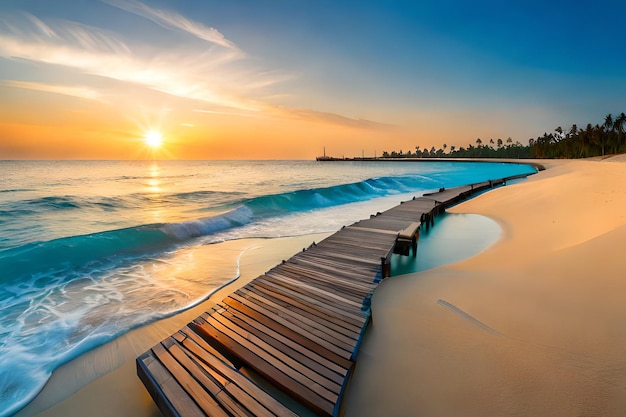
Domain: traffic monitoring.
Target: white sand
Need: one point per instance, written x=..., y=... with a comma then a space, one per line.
x=533, y=326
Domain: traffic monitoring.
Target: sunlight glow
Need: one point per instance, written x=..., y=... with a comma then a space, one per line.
x=153, y=139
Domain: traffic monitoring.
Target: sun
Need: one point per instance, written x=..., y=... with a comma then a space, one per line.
x=153, y=139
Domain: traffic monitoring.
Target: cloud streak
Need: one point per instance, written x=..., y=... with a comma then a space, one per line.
x=173, y=20
x=27, y=28
x=73, y=91
x=93, y=51
x=334, y=118
x=215, y=77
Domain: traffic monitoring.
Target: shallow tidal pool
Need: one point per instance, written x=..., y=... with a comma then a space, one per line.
x=453, y=238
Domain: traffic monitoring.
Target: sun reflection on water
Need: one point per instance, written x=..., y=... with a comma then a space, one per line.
x=155, y=205
x=154, y=182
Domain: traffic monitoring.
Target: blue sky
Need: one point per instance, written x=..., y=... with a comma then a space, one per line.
x=433, y=72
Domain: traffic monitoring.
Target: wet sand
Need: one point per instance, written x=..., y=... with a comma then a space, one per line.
x=103, y=382
x=531, y=326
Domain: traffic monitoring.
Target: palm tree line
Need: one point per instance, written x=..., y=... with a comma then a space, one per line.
x=593, y=140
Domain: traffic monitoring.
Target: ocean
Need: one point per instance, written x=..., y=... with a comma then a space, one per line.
x=91, y=249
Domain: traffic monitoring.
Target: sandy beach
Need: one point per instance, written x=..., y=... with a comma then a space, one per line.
x=531, y=326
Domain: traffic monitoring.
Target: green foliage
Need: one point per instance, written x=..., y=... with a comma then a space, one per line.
x=598, y=140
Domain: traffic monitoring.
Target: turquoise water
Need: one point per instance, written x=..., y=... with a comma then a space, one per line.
x=84, y=244
x=455, y=237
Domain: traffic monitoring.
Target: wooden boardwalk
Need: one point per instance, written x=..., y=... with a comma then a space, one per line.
x=297, y=327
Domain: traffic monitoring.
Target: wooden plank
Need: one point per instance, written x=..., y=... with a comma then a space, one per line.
x=335, y=265
x=410, y=231
x=351, y=279
x=339, y=283
x=312, y=295
x=235, y=400
x=347, y=309
x=269, y=371
x=310, y=342
x=302, y=372
x=299, y=320
x=207, y=403
x=354, y=292
x=350, y=241
x=238, y=381
x=186, y=332
x=168, y=395
x=353, y=273
x=349, y=316
x=338, y=300
x=300, y=352
x=211, y=382
x=303, y=310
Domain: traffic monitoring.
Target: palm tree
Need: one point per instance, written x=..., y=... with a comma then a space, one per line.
x=620, y=139
x=586, y=138
x=609, y=126
x=559, y=130
x=608, y=122
x=478, y=142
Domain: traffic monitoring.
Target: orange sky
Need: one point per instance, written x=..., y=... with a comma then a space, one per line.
x=224, y=81
x=48, y=125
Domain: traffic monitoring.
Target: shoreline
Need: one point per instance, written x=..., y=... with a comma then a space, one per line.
x=531, y=326
x=377, y=355
x=108, y=371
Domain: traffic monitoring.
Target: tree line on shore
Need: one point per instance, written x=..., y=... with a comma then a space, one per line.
x=592, y=140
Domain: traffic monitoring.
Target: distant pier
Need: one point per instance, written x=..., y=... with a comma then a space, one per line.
x=296, y=328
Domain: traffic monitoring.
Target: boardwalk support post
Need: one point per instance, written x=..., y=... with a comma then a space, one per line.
x=385, y=267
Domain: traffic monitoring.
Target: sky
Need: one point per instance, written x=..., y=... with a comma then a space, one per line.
x=286, y=79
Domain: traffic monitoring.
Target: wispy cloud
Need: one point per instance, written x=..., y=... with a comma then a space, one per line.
x=333, y=118
x=226, y=113
x=205, y=75
x=26, y=28
x=173, y=20
x=73, y=91
x=218, y=80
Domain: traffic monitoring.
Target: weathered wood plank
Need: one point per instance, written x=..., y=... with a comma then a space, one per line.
x=212, y=382
x=348, y=313
x=271, y=371
x=301, y=372
x=239, y=385
x=330, y=369
x=302, y=286
x=207, y=403
x=309, y=341
x=341, y=284
x=331, y=320
x=168, y=395
x=299, y=320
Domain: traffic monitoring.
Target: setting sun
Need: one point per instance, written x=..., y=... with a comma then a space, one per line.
x=153, y=139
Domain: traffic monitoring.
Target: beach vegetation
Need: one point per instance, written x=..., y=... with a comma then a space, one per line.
x=576, y=142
